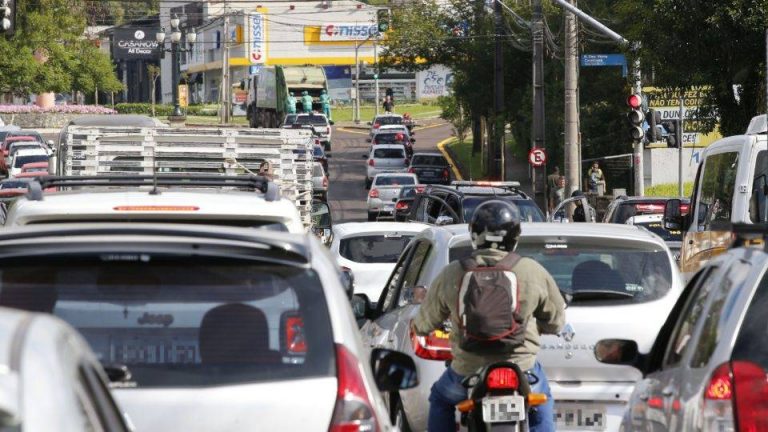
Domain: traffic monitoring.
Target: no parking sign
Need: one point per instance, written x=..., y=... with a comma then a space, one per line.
x=537, y=157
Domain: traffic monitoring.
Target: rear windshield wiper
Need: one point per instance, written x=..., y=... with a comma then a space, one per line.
x=598, y=294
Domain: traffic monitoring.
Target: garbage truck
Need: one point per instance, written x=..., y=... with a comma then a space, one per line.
x=268, y=92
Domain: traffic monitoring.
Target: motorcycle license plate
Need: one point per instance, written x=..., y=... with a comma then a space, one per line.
x=503, y=409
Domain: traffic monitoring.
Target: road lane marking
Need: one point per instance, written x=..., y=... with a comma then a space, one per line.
x=352, y=131
x=429, y=127
x=441, y=147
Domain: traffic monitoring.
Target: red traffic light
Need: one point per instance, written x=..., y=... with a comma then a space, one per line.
x=635, y=101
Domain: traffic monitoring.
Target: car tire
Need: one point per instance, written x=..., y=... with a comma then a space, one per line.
x=399, y=419
x=371, y=217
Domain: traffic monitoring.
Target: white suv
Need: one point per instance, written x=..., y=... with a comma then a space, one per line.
x=320, y=124
x=385, y=158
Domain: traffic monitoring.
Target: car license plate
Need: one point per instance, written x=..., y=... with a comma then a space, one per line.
x=580, y=416
x=389, y=208
x=498, y=409
x=428, y=174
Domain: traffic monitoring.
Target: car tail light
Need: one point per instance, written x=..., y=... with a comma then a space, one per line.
x=374, y=193
x=407, y=161
x=325, y=182
x=412, y=170
x=419, y=189
x=376, y=125
x=370, y=162
x=296, y=342
x=317, y=141
x=656, y=403
x=446, y=174
x=435, y=346
x=737, y=392
x=401, y=205
x=684, y=209
x=354, y=411
x=502, y=379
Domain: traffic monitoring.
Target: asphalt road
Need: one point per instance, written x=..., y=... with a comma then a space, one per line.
x=347, y=194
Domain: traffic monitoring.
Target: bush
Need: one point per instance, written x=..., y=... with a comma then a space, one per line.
x=668, y=190
x=61, y=109
x=164, y=110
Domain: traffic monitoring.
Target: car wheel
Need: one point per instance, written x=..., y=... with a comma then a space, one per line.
x=371, y=217
x=399, y=419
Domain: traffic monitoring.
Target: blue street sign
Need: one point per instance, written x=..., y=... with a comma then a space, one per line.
x=600, y=60
x=254, y=69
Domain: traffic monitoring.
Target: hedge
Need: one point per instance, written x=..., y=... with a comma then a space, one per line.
x=164, y=110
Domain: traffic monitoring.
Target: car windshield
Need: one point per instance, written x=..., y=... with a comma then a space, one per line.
x=529, y=211
x=429, y=160
x=183, y=321
x=23, y=160
x=290, y=119
x=395, y=180
x=313, y=120
x=598, y=270
x=389, y=120
x=319, y=151
x=389, y=138
x=628, y=209
x=389, y=153
x=377, y=248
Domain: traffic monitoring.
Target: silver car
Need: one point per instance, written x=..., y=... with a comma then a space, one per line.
x=217, y=329
x=319, y=181
x=618, y=276
x=385, y=158
x=707, y=369
x=49, y=378
x=384, y=193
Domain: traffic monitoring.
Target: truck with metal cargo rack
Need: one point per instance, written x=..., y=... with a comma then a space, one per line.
x=134, y=151
x=268, y=91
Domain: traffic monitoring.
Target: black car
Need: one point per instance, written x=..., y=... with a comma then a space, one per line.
x=321, y=156
x=624, y=207
x=455, y=204
x=404, y=201
x=430, y=168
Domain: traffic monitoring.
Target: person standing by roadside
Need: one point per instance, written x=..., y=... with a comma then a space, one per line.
x=552, y=180
x=596, y=177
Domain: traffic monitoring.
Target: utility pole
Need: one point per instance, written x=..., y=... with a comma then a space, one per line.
x=226, y=85
x=496, y=142
x=638, y=157
x=680, y=147
x=538, y=174
x=376, y=73
x=572, y=162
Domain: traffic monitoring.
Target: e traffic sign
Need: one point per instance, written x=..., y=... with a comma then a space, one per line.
x=537, y=157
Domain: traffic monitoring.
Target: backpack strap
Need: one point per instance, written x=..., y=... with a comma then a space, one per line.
x=509, y=261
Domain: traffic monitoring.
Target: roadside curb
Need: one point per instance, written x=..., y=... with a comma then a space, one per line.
x=448, y=154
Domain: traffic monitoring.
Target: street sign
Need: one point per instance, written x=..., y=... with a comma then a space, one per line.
x=183, y=95
x=600, y=60
x=537, y=157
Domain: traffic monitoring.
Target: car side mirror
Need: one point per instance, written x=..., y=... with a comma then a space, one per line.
x=673, y=219
x=49, y=143
x=348, y=281
x=118, y=373
x=361, y=306
x=331, y=122
x=617, y=352
x=443, y=220
x=321, y=215
x=392, y=370
x=413, y=140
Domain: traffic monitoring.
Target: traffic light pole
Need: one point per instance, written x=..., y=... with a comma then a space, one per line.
x=497, y=139
x=638, y=157
x=680, y=148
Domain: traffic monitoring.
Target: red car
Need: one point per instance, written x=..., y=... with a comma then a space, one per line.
x=36, y=167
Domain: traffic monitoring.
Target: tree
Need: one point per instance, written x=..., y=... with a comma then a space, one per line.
x=73, y=64
x=154, y=73
x=457, y=115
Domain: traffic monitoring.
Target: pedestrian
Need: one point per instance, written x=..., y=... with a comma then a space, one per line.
x=537, y=309
x=290, y=104
x=388, y=105
x=325, y=100
x=559, y=195
x=552, y=180
x=583, y=211
x=306, y=102
x=596, y=177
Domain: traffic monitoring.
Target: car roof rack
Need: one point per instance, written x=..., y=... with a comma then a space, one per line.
x=744, y=234
x=249, y=182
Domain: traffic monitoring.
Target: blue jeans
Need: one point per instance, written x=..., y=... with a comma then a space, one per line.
x=448, y=391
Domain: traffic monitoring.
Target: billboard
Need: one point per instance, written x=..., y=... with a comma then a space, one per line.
x=347, y=31
x=667, y=102
x=434, y=82
x=135, y=44
x=258, y=38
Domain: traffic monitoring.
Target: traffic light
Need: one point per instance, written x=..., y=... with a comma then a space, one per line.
x=382, y=18
x=7, y=17
x=653, y=118
x=635, y=117
x=673, y=132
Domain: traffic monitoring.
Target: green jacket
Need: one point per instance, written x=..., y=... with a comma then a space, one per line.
x=540, y=299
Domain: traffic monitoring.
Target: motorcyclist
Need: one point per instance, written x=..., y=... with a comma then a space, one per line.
x=495, y=228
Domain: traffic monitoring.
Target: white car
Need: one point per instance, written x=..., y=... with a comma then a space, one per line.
x=215, y=328
x=385, y=192
x=384, y=120
x=319, y=181
x=50, y=379
x=320, y=124
x=385, y=158
x=171, y=204
x=25, y=156
x=370, y=250
x=619, y=277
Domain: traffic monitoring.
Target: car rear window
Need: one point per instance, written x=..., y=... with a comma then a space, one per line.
x=752, y=341
x=460, y=251
x=183, y=321
x=23, y=160
x=374, y=249
x=628, y=209
x=429, y=160
x=529, y=211
x=600, y=271
x=657, y=227
x=395, y=180
x=312, y=120
x=389, y=153
x=389, y=120
x=387, y=138
x=317, y=170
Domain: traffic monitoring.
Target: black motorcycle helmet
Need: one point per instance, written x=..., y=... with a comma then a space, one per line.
x=495, y=225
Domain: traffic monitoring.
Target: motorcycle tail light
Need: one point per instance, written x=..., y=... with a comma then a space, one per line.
x=502, y=379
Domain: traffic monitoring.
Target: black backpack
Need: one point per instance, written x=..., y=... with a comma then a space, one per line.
x=489, y=307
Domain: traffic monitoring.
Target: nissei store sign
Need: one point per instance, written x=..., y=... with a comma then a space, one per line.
x=258, y=38
x=347, y=32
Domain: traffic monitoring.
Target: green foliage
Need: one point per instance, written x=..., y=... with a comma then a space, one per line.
x=669, y=190
x=164, y=110
x=54, y=27
x=453, y=112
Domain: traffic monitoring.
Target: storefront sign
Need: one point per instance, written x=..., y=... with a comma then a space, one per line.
x=347, y=31
x=258, y=38
x=135, y=44
x=183, y=95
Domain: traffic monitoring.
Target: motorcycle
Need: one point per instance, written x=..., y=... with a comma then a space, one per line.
x=500, y=399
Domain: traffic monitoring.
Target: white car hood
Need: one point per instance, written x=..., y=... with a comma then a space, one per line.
x=305, y=405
